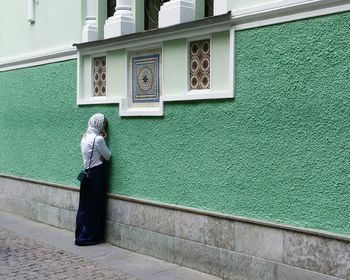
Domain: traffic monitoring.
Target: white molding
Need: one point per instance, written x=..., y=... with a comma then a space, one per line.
x=122, y=22
x=231, y=71
x=220, y=7
x=176, y=12
x=90, y=30
x=262, y=15
x=198, y=96
x=79, y=79
x=91, y=100
x=185, y=95
x=155, y=109
x=284, y=11
x=126, y=111
x=38, y=58
x=157, y=38
x=97, y=100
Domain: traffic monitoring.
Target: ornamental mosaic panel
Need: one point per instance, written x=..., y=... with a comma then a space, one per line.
x=199, y=77
x=145, y=79
x=99, y=74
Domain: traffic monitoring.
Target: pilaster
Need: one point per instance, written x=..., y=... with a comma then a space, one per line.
x=220, y=7
x=176, y=12
x=122, y=22
x=90, y=30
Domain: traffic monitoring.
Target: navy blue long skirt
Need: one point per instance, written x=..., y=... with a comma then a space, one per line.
x=90, y=223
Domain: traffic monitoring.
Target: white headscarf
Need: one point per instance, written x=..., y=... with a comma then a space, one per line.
x=95, y=124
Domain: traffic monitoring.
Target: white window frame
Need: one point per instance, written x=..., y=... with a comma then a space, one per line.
x=92, y=76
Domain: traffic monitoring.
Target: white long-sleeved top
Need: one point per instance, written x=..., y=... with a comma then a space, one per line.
x=100, y=150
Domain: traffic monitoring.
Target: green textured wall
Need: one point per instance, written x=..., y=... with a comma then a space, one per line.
x=280, y=151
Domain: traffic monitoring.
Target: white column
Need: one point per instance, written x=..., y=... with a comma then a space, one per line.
x=176, y=12
x=220, y=7
x=122, y=22
x=31, y=10
x=90, y=31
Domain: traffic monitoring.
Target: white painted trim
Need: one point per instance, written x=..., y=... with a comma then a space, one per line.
x=38, y=58
x=285, y=11
x=156, y=39
x=262, y=15
x=92, y=99
x=199, y=96
x=79, y=80
x=126, y=111
x=231, y=71
x=97, y=100
x=158, y=109
x=186, y=95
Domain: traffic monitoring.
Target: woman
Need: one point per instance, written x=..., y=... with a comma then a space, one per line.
x=90, y=223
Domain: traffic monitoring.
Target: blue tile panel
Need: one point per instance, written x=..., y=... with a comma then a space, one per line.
x=145, y=78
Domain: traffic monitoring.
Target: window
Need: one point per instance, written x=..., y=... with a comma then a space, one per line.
x=99, y=76
x=111, y=7
x=209, y=8
x=152, y=8
x=199, y=65
x=139, y=74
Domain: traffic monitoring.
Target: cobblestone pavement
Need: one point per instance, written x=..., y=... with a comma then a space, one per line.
x=24, y=258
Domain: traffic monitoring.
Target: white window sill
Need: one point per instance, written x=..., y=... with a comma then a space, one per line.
x=97, y=100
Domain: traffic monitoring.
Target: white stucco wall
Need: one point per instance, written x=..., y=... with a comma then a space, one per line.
x=57, y=25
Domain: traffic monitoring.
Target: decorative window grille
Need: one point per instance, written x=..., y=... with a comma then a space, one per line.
x=152, y=8
x=99, y=76
x=199, y=65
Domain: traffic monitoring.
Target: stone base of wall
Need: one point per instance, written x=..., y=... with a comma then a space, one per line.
x=221, y=246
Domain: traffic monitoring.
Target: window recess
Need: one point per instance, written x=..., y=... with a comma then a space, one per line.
x=151, y=13
x=141, y=71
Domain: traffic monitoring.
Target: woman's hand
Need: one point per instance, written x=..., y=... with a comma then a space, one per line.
x=104, y=134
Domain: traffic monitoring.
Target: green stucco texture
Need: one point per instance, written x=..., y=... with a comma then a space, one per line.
x=280, y=151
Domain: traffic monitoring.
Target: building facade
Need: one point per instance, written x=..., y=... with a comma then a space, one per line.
x=229, y=127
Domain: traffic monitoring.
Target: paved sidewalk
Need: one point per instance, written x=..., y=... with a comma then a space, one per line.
x=30, y=250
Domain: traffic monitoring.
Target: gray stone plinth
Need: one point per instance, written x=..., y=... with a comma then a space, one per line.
x=305, y=251
x=220, y=233
x=118, y=211
x=147, y=242
x=339, y=258
x=67, y=219
x=153, y=218
x=48, y=214
x=113, y=234
x=286, y=272
x=259, y=241
x=198, y=256
x=190, y=226
x=216, y=244
x=237, y=266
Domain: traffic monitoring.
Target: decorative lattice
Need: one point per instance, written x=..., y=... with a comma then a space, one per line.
x=145, y=78
x=199, y=65
x=99, y=78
